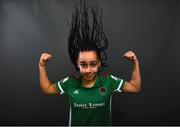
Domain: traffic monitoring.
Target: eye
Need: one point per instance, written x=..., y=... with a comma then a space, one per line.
x=83, y=65
x=93, y=65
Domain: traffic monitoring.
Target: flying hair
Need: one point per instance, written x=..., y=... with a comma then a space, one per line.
x=86, y=33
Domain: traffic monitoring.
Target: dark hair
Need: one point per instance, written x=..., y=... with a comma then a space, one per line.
x=86, y=35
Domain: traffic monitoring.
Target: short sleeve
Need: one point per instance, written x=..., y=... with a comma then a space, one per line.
x=61, y=85
x=117, y=83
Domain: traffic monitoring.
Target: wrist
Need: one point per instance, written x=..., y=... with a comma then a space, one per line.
x=41, y=65
x=135, y=62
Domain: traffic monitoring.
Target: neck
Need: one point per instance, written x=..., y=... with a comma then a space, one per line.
x=89, y=83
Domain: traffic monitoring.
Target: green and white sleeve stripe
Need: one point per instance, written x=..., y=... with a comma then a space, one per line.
x=60, y=84
x=120, y=85
x=60, y=88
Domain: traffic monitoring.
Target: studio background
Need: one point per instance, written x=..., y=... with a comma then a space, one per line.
x=150, y=28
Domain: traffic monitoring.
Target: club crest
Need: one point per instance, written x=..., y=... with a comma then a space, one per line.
x=102, y=90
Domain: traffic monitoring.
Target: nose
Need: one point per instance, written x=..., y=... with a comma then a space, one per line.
x=88, y=69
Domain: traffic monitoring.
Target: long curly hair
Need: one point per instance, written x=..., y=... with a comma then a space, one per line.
x=86, y=33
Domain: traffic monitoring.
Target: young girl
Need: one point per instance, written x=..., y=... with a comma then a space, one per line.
x=90, y=92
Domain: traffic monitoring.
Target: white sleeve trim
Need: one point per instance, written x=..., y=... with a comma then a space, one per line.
x=65, y=79
x=120, y=84
x=115, y=78
x=59, y=85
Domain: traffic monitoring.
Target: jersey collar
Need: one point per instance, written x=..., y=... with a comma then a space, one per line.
x=96, y=83
x=78, y=80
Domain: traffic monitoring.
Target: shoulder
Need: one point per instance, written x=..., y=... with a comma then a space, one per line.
x=108, y=75
x=68, y=82
x=113, y=77
x=63, y=80
x=71, y=78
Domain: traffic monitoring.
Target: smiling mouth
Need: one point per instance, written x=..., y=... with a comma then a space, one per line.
x=89, y=76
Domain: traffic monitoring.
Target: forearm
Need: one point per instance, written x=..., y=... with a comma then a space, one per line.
x=44, y=80
x=136, y=76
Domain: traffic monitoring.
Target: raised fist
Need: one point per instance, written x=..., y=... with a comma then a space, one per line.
x=130, y=56
x=45, y=57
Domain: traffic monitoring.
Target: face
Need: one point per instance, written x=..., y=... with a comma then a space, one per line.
x=88, y=64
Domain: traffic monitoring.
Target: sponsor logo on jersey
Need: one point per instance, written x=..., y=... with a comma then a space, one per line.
x=89, y=105
x=102, y=90
x=76, y=92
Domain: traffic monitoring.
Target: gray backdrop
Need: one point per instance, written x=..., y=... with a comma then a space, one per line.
x=151, y=28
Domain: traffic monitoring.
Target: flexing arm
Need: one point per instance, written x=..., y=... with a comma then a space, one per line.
x=45, y=83
x=134, y=85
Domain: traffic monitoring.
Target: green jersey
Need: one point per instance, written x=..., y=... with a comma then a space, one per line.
x=90, y=106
